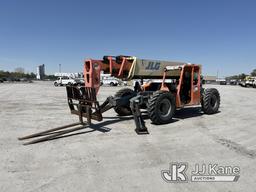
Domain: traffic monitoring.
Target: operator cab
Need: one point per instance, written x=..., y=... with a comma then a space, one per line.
x=190, y=85
x=186, y=86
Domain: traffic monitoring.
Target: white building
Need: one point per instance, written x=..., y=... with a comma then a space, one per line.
x=40, y=72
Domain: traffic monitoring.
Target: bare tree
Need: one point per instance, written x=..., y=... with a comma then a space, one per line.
x=19, y=70
x=253, y=73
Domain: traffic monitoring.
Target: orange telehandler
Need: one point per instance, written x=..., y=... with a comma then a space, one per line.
x=171, y=85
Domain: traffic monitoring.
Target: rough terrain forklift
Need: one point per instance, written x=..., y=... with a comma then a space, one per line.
x=170, y=85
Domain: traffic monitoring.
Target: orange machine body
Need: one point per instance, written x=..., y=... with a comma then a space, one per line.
x=120, y=68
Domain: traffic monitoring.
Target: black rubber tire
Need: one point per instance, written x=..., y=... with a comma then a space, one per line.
x=56, y=84
x=202, y=96
x=161, y=107
x=123, y=110
x=210, y=101
x=111, y=84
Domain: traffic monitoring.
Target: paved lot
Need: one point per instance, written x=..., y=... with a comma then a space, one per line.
x=120, y=160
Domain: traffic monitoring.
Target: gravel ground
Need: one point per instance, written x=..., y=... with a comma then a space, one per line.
x=120, y=160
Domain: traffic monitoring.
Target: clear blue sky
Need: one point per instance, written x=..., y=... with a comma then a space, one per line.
x=220, y=34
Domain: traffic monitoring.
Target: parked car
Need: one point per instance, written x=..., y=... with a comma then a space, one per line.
x=254, y=84
x=124, y=83
x=10, y=79
x=233, y=82
x=1, y=80
x=64, y=81
x=248, y=82
x=222, y=82
x=80, y=81
x=112, y=81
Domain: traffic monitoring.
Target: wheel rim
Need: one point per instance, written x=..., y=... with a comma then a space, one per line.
x=165, y=108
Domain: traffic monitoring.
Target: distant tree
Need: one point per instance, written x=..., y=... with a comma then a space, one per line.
x=242, y=76
x=237, y=77
x=2, y=74
x=13, y=75
x=19, y=70
x=32, y=75
x=253, y=73
x=50, y=77
x=232, y=77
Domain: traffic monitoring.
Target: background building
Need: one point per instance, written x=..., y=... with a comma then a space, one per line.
x=40, y=72
x=209, y=79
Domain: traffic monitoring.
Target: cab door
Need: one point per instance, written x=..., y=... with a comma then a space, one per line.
x=195, y=85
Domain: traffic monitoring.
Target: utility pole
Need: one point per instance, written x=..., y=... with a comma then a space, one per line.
x=59, y=68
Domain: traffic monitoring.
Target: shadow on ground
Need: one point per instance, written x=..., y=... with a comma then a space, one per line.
x=102, y=126
x=188, y=113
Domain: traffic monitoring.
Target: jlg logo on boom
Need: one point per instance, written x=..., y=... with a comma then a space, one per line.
x=153, y=65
